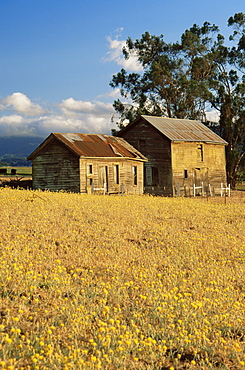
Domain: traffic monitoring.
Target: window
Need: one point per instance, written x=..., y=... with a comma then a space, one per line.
x=90, y=174
x=185, y=174
x=116, y=173
x=147, y=175
x=135, y=175
x=155, y=176
x=200, y=152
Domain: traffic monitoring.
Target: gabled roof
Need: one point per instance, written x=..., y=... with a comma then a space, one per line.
x=180, y=129
x=91, y=145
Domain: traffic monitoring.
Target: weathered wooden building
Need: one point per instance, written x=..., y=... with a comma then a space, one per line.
x=86, y=163
x=181, y=153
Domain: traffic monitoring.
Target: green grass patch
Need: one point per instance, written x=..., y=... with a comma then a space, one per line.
x=240, y=187
x=18, y=171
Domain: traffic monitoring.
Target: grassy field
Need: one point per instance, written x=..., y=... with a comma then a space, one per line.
x=241, y=186
x=121, y=282
x=20, y=171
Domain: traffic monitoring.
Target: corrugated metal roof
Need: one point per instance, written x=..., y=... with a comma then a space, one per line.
x=92, y=145
x=183, y=129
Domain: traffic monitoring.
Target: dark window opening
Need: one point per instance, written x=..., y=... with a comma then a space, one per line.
x=185, y=174
x=116, y=174
x=135, y=175
x=155, y=175
x=145, y=182
x=90, y=167
x=200, y=152
x=91, y=182
x=106, y=179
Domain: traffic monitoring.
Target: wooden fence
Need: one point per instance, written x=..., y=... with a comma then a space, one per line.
x=201, y=190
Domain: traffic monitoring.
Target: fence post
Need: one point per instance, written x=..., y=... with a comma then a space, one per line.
x=178, y=189
x=225, y=189
x=198, y=187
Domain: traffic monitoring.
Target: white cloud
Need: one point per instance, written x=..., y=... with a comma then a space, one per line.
x=21, y=104
x=115, y=54
x=115, y=94
x=58, y=123
x=213, y=115
x=71, y=106
x=70, y=116
x=15, y=125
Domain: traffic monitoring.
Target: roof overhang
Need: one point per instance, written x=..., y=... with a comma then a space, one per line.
x=178, y=130
x=100, y=146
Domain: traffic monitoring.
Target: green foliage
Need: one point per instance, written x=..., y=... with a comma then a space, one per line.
x=14, y=160
x=181, y=79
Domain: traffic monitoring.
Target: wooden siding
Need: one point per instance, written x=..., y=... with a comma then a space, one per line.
x=56, y=168
x=98, y=171
x=157, y=149
x=189, y=166
x=172, y=163
x=186, y=156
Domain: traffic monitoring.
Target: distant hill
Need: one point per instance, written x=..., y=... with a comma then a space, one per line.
x=15, y=149
x=21, y=145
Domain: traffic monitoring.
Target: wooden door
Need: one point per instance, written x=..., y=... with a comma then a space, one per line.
x=200, y=176
x=103, y=177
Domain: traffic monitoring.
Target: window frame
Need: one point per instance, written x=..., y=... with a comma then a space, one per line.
x=135, y=175
x=116, y=170
x=154, y=175
x=200, y=152
x=90, y=169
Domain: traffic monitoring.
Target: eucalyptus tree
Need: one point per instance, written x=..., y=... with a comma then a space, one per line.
x=181, y=79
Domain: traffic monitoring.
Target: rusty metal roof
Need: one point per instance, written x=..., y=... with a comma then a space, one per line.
x=92, y=145
x=183, y=129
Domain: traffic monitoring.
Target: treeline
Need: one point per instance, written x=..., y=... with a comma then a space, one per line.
x=13, y=160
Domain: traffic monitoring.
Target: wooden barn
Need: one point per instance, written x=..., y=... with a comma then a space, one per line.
x=85, y=163
x=181, y=153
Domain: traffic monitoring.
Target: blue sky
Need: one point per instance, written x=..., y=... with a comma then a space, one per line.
x=58, y=56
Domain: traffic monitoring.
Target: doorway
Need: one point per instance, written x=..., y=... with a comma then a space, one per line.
x=200, y=175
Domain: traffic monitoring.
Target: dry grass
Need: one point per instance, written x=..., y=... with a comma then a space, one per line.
x=134, y=282
x=22, y=174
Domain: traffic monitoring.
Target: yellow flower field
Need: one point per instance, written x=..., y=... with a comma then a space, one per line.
x=121, y=282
